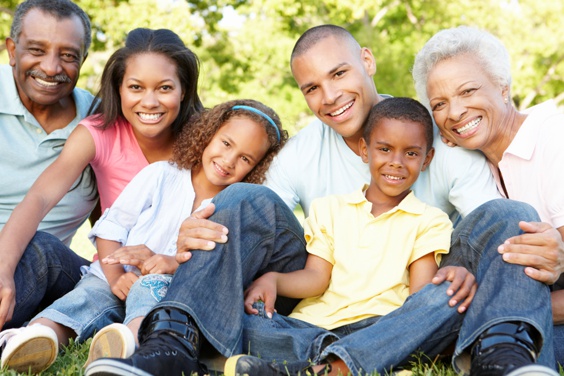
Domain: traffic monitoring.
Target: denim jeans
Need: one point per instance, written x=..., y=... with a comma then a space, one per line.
x=91, y=305
x=559, y=344
x=264, y=235
x=425, y=322
x=47, y=270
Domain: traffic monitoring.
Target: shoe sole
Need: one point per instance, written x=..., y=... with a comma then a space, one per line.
x=230, y=368
x=534, y=370
x=113, y=341
x=109, y=367
x=33, y=355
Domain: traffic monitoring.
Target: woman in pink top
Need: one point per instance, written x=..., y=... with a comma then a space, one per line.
x=147, y=95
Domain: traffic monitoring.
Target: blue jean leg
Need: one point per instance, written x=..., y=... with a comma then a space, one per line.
x=559, y=344
x=264, y=235
x=505, y=292
x=89, y=307
x=47, y=270
x=425, y=323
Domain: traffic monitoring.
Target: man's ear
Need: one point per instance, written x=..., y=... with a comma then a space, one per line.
x=428, y=158
x=363, y=148
x=11, y=48
x=368, y=60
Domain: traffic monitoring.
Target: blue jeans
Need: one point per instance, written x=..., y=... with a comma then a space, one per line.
x=425, y=322
x=91, y=305
x=264, y=235
x=47, y=270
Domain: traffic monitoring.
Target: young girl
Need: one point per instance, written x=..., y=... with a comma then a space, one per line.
x=232, y=142
x=147, y=95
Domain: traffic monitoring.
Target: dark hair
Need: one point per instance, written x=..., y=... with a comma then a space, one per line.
x=316, y=34
x=189, y=147
x=400, y=109
x=60, y=9
x=139, y=41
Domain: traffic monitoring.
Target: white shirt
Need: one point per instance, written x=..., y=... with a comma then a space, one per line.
x=149, y=211
x=317, y=162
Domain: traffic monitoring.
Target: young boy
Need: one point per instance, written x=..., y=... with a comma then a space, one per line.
x=368, y=251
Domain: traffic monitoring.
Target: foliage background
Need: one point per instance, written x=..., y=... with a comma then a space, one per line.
x=244, y=45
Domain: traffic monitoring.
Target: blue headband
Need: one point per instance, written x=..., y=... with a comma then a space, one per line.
x=259, y=112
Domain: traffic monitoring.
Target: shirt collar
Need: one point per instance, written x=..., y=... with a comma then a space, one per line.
x=410, y=204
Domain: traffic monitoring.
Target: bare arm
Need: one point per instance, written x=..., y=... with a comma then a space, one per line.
x=44, y=194
x=421, y=272
x=311, y=281
x=120, y=282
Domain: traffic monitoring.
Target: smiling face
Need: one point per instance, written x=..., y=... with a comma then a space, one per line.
x=47, y=58
x=233, y=152
x=396, y=153
x=151, y=94
x=468, y=107
x=335, y=77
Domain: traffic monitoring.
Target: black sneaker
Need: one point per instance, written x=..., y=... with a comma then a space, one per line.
x=161, y=354
x=246, y=365
x=507, y=349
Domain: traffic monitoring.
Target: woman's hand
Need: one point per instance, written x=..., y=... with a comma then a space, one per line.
x=135, y=255
x=462, y=285
x=540, y=250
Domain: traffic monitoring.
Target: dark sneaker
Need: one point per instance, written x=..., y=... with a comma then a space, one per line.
x=508, y=349
x=161, y=354
x=246, y=365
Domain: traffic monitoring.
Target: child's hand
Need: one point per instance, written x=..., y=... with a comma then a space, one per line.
x=159, y=264
x=462, y=285
x=134, y=255
x=263, y=289
x=121, y=286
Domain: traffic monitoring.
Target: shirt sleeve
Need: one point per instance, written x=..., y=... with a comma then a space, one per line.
x=318, y=231
x=121, y=217
x=433, y=236
x=468, y=178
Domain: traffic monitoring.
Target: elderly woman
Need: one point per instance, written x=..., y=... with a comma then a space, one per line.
x=463, y=76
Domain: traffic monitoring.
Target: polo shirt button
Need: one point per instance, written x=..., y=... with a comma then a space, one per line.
x=38, y=130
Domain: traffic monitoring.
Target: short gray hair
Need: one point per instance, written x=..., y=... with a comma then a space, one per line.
x=490, y=52
x=60, y=9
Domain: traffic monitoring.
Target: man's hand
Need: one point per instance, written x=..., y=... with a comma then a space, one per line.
x=7, y=298
x=540, y=250
x=197, y=232
x=462, y=285
x=262, y=289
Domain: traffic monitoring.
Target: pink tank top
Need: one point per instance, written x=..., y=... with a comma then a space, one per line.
x=118, y=158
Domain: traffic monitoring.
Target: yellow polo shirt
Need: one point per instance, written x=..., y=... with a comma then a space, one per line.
x=370, y=256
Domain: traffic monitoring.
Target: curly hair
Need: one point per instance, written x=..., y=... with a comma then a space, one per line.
x=190, y=144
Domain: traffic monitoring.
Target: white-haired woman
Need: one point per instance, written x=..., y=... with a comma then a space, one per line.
x=463, y=75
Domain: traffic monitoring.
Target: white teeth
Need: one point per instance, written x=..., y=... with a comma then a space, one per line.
x=46, y=83
x=144, y=116
x=473, y=124
x=341, y=110
x=393, y=177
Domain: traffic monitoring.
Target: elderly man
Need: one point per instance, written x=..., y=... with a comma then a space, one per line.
x=39, y=107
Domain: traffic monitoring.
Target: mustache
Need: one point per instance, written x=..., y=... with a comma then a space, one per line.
x=63, y=78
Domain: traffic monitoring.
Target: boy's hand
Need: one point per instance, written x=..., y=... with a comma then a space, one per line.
x=134, y=255
x=462, y=285
x=121, y=286
x=262, y=289
x=159, y=264
x=197, y=232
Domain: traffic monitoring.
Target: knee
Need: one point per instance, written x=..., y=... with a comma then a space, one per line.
x=243, y=192
x=507, y=210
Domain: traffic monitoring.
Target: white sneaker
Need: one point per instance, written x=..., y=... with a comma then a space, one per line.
x=113, y=341
x=29, y=349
